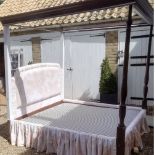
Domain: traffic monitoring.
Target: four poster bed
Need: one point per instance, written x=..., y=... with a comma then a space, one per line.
x=66, y=127
x=41, y=118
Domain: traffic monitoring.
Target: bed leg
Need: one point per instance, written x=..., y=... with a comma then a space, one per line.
x=120, y=140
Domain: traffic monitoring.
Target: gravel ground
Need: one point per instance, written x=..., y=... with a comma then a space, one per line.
x=7, y=149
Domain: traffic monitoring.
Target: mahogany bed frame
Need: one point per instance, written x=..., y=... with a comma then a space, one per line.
x=144, y=10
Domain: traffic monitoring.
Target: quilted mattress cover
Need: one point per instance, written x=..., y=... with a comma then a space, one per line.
x=79, y=128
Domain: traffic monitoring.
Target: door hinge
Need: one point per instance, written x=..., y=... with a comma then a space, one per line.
x=98, y=35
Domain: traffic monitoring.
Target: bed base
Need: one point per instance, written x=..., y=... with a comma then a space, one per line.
x=19, y=125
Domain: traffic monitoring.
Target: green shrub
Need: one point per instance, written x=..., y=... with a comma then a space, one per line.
x=107, y=79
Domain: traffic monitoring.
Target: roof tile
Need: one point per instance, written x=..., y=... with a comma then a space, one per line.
x=10, y=7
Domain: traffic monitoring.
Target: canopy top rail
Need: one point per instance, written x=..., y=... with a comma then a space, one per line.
x=143, y=8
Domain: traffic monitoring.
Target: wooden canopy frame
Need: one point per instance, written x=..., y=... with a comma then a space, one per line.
x=143, y=9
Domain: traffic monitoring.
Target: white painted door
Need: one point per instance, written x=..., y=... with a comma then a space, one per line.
x=51, y=50
x=83, y=57
x=137, y=66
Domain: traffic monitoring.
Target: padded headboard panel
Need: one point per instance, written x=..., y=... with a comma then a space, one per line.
x=35, y=84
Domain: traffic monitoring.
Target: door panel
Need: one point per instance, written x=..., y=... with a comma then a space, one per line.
x=87, y=53
x=138, y=47
x=51, y=51
x=68, y=84
x=84, y=53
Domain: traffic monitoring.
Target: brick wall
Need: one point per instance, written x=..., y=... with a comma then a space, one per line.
x=112, y=49
x=36, y=50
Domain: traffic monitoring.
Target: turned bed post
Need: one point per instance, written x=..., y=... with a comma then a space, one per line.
x=120, y=139
x=146, y=79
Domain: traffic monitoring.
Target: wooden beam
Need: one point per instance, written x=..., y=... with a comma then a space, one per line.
x=39, y=110
x=146, y=80
x=8, y=72
x=120, y=140
x=145, y=11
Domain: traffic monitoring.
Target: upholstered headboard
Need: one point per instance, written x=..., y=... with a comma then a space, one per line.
x=36, y=86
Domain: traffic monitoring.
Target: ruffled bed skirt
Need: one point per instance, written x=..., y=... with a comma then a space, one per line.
x=67, y=142
x=62, y=142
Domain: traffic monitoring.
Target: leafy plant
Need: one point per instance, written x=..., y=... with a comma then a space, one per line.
x=108, y=79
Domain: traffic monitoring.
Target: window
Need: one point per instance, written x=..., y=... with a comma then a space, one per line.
x=16, y=59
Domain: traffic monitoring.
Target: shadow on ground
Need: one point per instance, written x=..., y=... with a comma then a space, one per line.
x=33, y=152
x=4, y=131
x=148, y=144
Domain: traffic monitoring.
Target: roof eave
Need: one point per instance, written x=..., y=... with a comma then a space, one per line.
x=73, y=8
x=145, y=11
